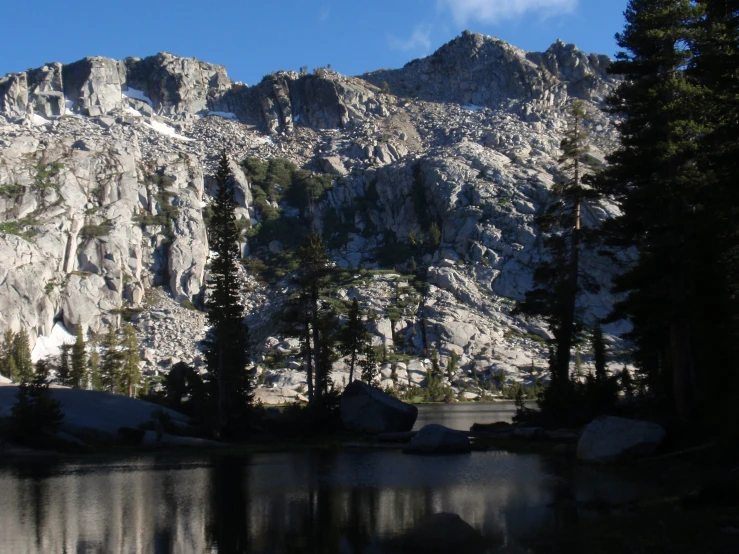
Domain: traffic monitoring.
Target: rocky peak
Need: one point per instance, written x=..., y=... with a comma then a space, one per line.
x=479, y=70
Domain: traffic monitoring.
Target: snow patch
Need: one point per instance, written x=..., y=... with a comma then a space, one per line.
x=68, y=106
x=51, y=345
x=136, y=94
x=296, y=118
x=473, y=108
x=224, y=115
x=36, y=119
x=264, y=140
x=129, y=110
x=165, y=129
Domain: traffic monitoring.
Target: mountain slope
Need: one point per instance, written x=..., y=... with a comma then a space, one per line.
x=105, y=173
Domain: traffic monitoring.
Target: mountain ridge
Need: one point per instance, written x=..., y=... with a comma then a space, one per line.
x=103, y=208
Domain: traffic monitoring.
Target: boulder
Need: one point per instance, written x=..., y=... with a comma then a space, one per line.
x=614, y=439
x=437, y=439
x=445, y=532
x=365, y=409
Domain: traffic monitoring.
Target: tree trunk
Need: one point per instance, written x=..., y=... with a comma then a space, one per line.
x=681, y=336
x=564, y=344
x=351, y=366
x=309, y=361
x=222, y=417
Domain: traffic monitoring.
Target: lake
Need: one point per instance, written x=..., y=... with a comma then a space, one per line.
x=309, y=501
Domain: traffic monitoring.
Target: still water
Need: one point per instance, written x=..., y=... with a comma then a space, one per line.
x=298, y=502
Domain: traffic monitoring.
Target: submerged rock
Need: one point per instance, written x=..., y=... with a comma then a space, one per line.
x=445, y=532
x=365, y=409
x=613, y=439
x=437, y=439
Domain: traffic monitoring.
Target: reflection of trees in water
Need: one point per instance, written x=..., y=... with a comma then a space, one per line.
x=328, y=502
x=227, y=522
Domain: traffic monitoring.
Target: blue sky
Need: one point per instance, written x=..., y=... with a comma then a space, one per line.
x=254, y=37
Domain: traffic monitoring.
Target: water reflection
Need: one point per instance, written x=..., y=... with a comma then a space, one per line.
x=332, y=502
x=462, y=416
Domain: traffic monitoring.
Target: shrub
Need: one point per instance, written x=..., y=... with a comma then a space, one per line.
x=12, y=191
x=94, y=231
x=35, y=411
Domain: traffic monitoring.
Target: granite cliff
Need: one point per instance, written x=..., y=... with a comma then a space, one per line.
x=105, y=175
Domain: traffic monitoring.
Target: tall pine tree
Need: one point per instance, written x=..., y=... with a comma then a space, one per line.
x=227, y=341
x=22, y=357
x=130, y=375
x=353, y=336
x=554, y=297
x=312, y=279
x=110, y=364
x=78, y=374
x=655, y=179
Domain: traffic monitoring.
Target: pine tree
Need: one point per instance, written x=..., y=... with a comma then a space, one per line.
x=599, y=354
x=22, y=357
x=227, y=342
x=7, y=363
x=94, y=363
x=451, y=366
x=370, y=367
x=578, y=366
x=78, y=374
x=130, y=373
x=656, y=181
x=627, y=382
x=110, y=364
x=327, y=325
x=312, y=278
x=715, y=66
x=353, y=336
x=35, y=411
x=555, y=295
x=63, y=373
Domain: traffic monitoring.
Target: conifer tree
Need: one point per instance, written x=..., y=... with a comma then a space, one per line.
x=78, y=374
x=111, y=361
x=63, y=373
x=370, y=370
x=599, y=354
x=35, y=411
x=312, y=278
x=130, y=373
x=227, y=341
x=22, y=357
x=657, y=183
x=715, y=66
x=627, y=382
x=354, y=336
x=7, y=362
x=578, y=366
x=555, y=295
x=94, y=365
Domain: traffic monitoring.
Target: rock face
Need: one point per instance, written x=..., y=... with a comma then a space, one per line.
x=437, y=439
x=614, y=439
x=365, y=409
x=106, y=176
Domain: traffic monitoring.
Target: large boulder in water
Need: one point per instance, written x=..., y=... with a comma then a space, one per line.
x=437, y=439
x=365, y=409
x=613, y=439
x=445, y=532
